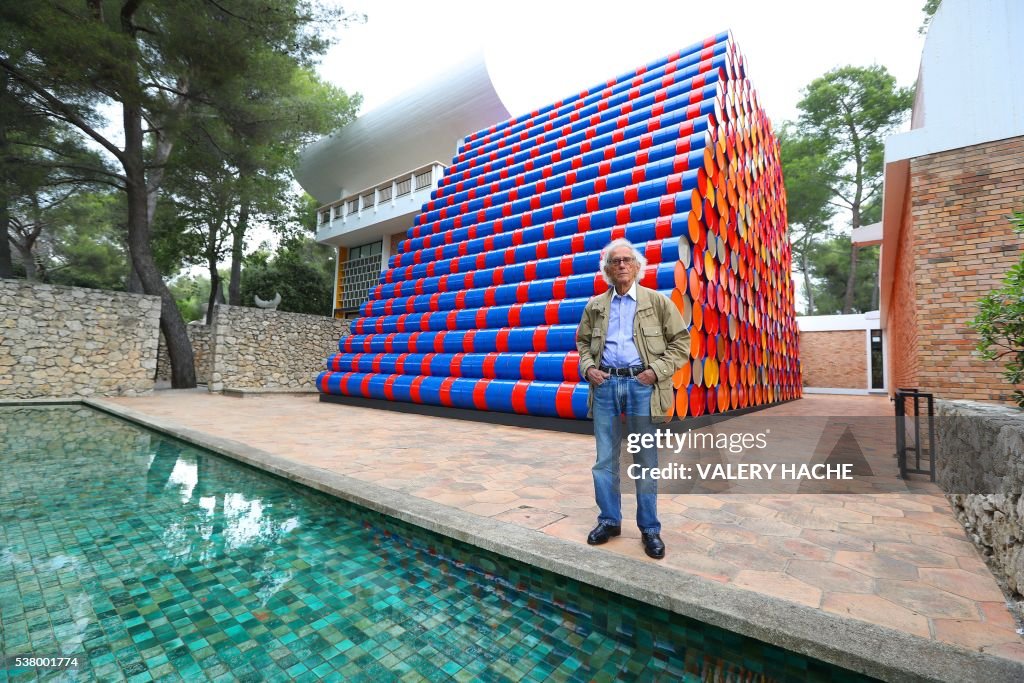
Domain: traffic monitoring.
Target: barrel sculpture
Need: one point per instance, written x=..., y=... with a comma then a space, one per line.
x=479, y=306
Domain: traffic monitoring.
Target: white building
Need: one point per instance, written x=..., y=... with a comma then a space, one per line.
x=372, y=176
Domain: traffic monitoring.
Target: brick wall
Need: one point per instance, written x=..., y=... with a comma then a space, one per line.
x=962, y=247
x=902, y=332
x=834, y=359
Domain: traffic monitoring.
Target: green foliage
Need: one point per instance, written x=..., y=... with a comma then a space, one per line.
x=174, y=70
x=88, y=248
x=808, y=199
x=191, y=295
x=302, y=271
x=829, y=265
x=929, y=9
x=848, y=113
x=1000, y=322
x=833, y=158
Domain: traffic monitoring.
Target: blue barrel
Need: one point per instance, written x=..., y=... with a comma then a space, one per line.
x=400, y=389
x=514, y=273
x=548, y=366
x=462, y=393
x=562, y=338
x=571, y=310
x=540, y=399
x=533, y=314
x=454, y=342
x=520, y=339
x=579, y=286
x=549, y=268
x=472, y=365
x=580, y=398
x=499, y=395
x=540, y=290
x=430, y=390
x=507, y=366
x=486, y=341
x=376, y=388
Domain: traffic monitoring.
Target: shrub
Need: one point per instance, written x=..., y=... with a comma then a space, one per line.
x=1000, y=321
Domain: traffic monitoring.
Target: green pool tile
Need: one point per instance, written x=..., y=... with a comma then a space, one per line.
x=197, y=568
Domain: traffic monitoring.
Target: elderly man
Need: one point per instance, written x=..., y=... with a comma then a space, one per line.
x=631, y=341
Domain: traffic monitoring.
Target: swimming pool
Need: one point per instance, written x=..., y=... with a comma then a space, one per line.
x=149, y=559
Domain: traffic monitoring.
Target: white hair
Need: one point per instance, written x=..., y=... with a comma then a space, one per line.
x=612, y=246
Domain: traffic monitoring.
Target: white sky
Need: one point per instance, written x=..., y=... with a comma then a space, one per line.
x=539, y=51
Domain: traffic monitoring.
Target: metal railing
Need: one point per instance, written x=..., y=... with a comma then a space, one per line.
x=388, y=191
x=911, y=451
x=423, y=179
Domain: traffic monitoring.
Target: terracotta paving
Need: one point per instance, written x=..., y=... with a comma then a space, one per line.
x=895, y=559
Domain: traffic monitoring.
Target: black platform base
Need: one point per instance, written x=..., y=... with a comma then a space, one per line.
x=553, y=424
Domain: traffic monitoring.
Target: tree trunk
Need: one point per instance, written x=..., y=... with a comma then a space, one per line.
x=6, y=265
x=235, y=283
x=237, y=242
x=28, y=260
x=851, y=281
x=211, y=262
x=214, y=291
x=134, y=281
x=874, y=289
x=179, y=348
x=807, y=282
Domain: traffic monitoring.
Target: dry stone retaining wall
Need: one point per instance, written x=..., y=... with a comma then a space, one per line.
x=70, y=341
x=980, y=464
x=256, y=348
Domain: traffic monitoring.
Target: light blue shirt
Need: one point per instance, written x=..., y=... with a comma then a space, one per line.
x=619, y=348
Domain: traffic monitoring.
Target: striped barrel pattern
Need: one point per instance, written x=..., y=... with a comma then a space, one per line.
x=479, y=305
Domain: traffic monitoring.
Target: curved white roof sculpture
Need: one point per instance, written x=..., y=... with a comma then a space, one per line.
x=412, y=130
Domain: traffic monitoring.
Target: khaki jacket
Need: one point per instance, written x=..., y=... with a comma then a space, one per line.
x=661, y=339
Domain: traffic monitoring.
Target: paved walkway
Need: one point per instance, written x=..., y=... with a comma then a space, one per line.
x=899, y=560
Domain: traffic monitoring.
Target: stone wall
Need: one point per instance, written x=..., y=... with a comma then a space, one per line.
x=834, y=359
x=69, y=341
x=199, y=335
x=256, y=348
x=980, y=465
x=956, y=246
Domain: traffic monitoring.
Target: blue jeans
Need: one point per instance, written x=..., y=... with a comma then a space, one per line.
x=615, y=396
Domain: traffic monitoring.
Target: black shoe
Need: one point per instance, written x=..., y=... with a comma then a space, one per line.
x=653, y=545
x=602, y=532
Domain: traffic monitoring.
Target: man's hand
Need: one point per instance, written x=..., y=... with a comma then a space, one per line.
x=596, y=377
x=647, y=377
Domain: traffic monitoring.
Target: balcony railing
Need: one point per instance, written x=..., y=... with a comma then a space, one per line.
x=384, y=193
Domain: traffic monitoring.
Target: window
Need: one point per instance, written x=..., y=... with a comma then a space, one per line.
x=877, y=362
x=361, y=273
